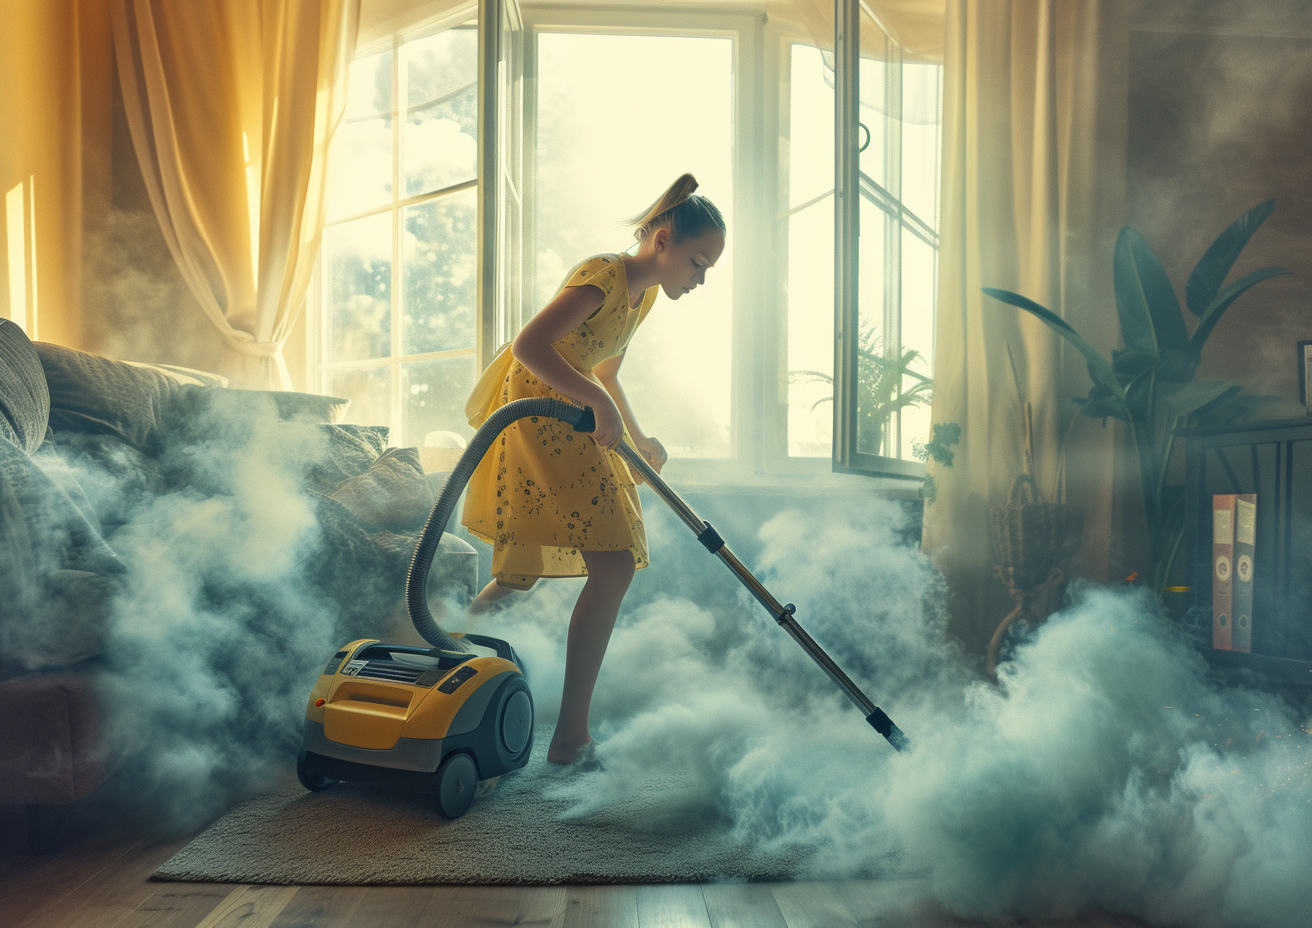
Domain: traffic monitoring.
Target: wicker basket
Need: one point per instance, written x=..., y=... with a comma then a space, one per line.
x=1032, y=536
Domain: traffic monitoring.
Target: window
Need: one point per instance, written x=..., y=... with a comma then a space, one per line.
x=887, y=248
x=596, y=164
x=742, y=378
x=398, y=311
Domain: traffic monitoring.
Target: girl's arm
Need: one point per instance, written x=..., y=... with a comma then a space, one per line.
x=535, y=348
x=608, y=372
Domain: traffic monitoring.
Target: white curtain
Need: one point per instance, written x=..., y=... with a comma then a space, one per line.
x=917, y=25
x=1032, y=197
x=231, y=106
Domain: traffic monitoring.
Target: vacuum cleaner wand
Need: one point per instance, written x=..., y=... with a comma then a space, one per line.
x=712, y=541
x=582, y=420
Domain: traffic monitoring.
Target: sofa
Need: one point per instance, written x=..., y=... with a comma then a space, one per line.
x=179, y=555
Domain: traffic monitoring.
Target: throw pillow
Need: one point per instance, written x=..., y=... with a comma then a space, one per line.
x=392, y=494
x=24, y=396
x=199, y=414
x=127, y=399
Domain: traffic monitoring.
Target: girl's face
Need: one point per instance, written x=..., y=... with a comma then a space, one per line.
x=682, y=266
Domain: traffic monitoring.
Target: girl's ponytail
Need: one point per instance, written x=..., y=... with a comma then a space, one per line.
x=679, y=191
x=685, y=214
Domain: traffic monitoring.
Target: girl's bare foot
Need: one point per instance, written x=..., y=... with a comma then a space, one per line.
x=561, y=753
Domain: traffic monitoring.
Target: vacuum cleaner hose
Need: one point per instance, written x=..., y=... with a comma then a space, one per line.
x=416, y=592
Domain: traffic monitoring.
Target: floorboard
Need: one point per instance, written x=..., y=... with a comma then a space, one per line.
x=102, y=892
x=104, y=881
x=888, y=903
x=742, y=905
x=174, y=905
x=320, y=907
x=601, y=907
x=392, y=907
x=247, y=907
x=542, y=906
x=813, y=905
x=672, y=905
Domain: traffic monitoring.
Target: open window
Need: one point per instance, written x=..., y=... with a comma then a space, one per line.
x=888, y=116
x=485, y=153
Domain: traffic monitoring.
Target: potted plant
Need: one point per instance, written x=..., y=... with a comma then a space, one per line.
x=880, y=375
x=1149, y=384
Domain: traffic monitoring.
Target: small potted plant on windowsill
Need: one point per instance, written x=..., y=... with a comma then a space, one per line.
x=880, y=378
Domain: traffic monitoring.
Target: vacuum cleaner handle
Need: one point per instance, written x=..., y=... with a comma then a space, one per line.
x=712, y=541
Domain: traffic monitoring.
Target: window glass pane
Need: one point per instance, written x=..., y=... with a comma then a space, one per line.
x=439, y=274
x=810, y=127
x=358, y=260
x=440, y=133
x=433, y=395
x=873, y=113
x=919, y=287
x=876, y=383
x=811, y=331
x=594, y=170
x=362, y=146
x=369, y=392
x=920, y=140
x=810, y=290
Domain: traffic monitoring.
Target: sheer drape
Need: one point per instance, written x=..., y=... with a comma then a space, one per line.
x=1032, y=196
x=916, y=24
x=231, y=106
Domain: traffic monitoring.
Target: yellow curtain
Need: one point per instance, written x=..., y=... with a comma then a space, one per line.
x=1032, y=196
x=55, y=67
x=231, y=105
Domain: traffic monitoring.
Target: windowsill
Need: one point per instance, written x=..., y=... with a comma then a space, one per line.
x=703, y=479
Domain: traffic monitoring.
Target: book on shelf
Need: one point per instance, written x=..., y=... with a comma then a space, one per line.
x=1223, y=545
x=1241, y=635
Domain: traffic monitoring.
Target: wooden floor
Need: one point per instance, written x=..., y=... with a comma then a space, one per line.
x=103, y=880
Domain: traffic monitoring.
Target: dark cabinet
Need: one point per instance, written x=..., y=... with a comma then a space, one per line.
x=1274, y=461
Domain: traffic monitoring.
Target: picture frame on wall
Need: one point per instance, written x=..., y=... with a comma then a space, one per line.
x=1305, y=373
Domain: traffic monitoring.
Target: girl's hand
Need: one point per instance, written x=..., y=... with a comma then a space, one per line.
x=610, y=426
x=652, y=451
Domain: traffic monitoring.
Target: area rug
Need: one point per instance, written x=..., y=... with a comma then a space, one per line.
x=355, y=834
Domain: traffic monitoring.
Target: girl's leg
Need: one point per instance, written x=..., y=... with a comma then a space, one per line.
x=487, y=596
x=609, y=575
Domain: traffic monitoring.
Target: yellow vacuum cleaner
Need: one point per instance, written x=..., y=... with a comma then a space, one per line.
x=450, y=719
x=451, y=716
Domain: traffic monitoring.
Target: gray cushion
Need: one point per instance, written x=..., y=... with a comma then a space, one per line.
x=392, y=494
x=149, y=405
x=24, y=397
x=54, y=566
x=99, y=395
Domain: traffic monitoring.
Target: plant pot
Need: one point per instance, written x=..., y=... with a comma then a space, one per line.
x=1030, y=536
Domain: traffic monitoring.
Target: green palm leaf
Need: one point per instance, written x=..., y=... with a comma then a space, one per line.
x=1099, y=369
x=1215, y=264
x=1221, y=302
x=1151, y=321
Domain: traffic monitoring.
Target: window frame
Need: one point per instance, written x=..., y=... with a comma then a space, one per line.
x=318, y=351
x=851, y=16
x=756, y=309
x=761, y=98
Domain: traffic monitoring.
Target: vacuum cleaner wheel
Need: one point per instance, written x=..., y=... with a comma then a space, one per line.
x=517, y=721
x=454, y=784
x=307, y=771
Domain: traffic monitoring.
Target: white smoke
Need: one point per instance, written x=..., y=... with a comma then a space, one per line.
x=1104, y=769
x=219, y=630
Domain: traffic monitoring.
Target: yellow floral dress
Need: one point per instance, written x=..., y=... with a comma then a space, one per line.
x=543, y=493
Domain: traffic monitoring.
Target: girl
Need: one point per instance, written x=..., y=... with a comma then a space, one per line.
x=558, y=503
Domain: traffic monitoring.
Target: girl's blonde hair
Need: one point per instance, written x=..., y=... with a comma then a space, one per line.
x=685, y=214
